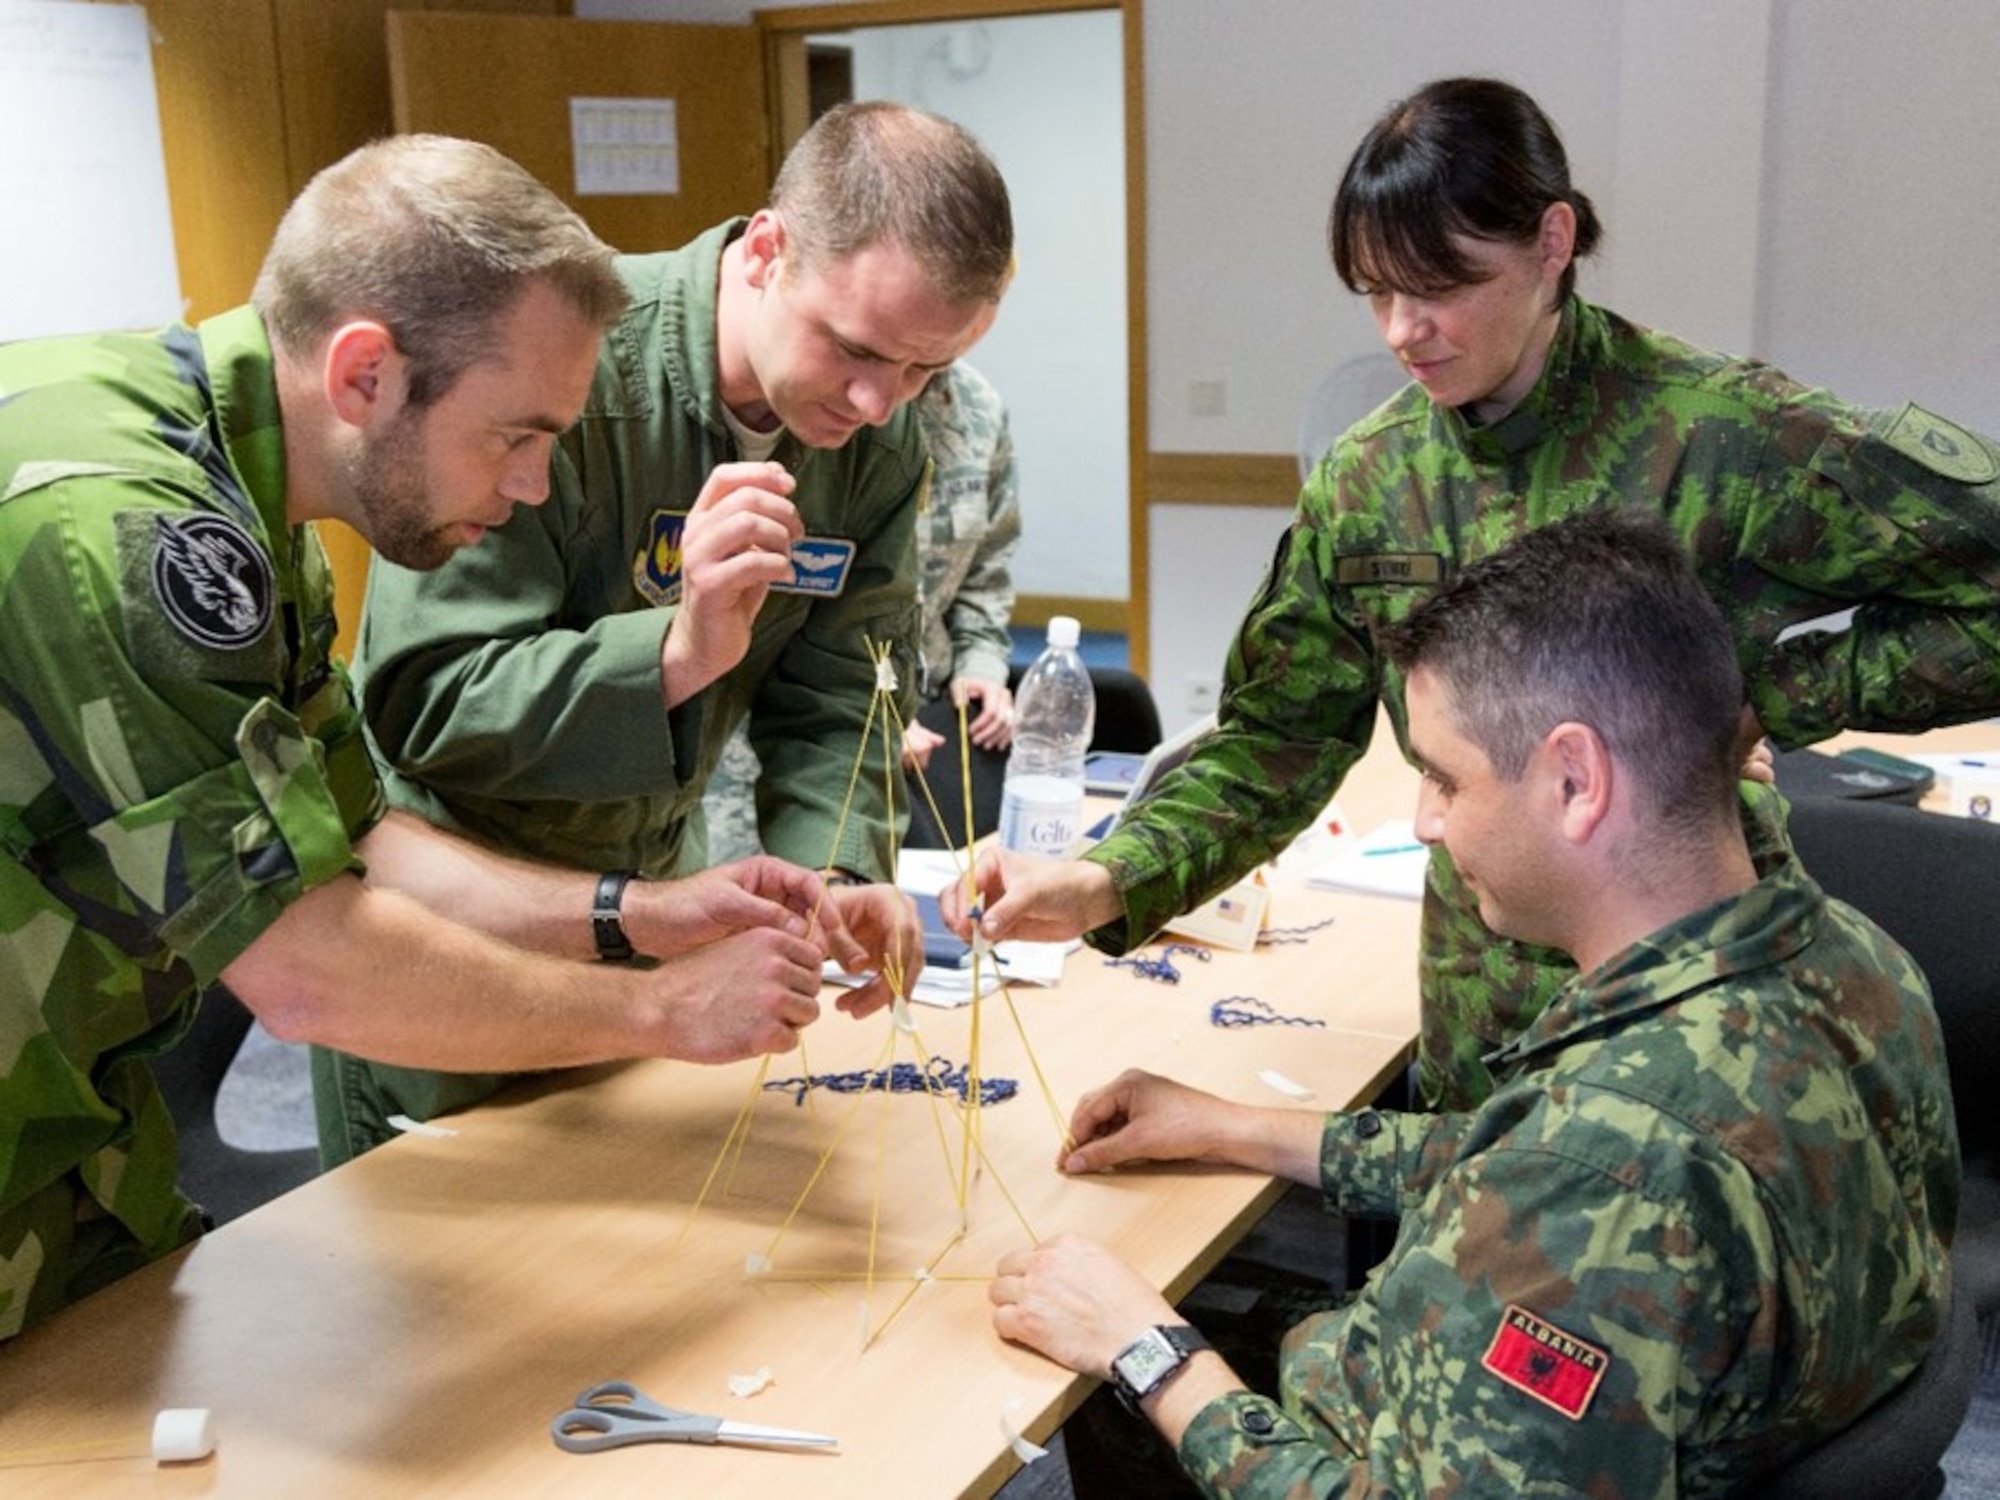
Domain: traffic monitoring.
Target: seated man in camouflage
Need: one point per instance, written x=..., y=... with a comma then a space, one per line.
x=1701, y=1225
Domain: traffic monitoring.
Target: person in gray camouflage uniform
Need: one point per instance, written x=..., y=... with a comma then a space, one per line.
x=185, y=793
x=1457, y=219
x=1703, y=1225
x=966, y=539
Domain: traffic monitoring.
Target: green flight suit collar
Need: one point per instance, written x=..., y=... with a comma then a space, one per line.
x=245, y=384
x=673, y=322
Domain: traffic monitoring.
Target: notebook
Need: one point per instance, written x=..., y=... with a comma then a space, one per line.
x=1387, y=862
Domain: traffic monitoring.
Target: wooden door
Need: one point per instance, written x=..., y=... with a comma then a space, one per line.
x=508, y=81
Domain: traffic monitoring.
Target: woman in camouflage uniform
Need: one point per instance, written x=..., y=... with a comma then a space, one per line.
x=1457, y=219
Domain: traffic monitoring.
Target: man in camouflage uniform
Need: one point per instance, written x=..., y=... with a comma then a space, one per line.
x=967, y=535
x=1701, y=1228
x=565, y=691
x=1795, y=506
x=185, y=794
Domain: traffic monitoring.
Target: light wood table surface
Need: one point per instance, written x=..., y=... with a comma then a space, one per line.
x=411, y=1323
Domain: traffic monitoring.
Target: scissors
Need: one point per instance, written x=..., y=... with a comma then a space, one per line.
x=616, y=1413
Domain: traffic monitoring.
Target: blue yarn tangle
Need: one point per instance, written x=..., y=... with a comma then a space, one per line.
x=936, y=1076
x=1161, y=968
x=1248, y=1010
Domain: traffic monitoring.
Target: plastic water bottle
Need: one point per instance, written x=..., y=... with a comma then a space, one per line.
x=1041, y=803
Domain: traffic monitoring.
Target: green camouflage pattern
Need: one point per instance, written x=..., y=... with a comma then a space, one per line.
x=1794, y=505
x=965, y=546
x=1724, y=1166
x=513, y=695
x=180, y=759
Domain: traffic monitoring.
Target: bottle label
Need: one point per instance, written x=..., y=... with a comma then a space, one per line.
x=1041, y=814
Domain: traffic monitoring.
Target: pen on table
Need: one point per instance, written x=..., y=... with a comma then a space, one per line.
x=1392, y=849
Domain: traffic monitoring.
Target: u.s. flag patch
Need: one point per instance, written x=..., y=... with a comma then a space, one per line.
x=1539, y=1358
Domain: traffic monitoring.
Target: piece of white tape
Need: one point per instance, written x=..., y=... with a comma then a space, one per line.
x=1274, y=1079
x=1024, y=1450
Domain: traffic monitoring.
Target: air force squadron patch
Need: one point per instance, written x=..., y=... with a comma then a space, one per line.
x=656, y=572
x=213, y=582
x=820, y=564
x=1538, y=1358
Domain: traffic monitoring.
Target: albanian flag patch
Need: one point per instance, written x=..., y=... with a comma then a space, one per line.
x=1537, y=1357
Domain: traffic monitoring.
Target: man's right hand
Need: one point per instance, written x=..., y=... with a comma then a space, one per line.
x=736, y=544
x=1032, y=898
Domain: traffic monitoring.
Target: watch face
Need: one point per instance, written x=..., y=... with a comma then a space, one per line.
x=1145, y=1361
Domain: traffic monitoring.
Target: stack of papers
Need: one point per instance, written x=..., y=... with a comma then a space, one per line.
x=1387, y=862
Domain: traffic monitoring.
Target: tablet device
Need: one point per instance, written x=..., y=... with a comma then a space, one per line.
x=1110, y=773
x=1161, y=759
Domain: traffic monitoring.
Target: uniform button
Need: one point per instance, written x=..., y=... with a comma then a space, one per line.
x=1258, y=1423
x=1367, y=1124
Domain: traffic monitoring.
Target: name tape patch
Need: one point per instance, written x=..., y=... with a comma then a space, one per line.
x=1536, y=1357
x=1389, y=567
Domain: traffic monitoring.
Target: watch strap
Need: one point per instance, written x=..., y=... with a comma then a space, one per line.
x=607, y=915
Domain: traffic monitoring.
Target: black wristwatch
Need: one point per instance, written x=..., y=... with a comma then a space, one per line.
x=1150, y=1360
x=607, y=921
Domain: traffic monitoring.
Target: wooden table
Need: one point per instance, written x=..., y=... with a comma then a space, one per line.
x=411, y=1323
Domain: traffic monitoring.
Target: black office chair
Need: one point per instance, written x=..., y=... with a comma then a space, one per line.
x=1932, y=883
x=227, y=1181
x=1127, y=719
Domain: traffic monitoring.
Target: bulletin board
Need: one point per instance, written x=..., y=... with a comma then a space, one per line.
x=88, y=241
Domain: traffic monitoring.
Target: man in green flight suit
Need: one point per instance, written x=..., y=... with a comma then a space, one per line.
x=185, y=793
x=1702, y=1224
x=732, y=528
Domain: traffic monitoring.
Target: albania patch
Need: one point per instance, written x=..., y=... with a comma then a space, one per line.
x=212, y=581
x=1540, y=1359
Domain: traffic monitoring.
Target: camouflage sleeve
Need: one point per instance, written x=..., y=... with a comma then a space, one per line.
x=475, y=682
x=1297, y=710
x=978, y=613
x=814, y=712
x=179, y=808
x=1522, y=1347
x=1898, y=514
x=1379, y=1163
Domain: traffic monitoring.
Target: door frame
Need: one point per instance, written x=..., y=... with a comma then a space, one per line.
x=785, y=30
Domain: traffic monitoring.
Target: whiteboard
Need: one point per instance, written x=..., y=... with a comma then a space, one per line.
x=86, y=242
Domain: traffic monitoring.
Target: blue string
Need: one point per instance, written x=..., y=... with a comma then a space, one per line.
x=1248, y=1010
x=1161, y=968
x=1272, y=936
x=938, y=1076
